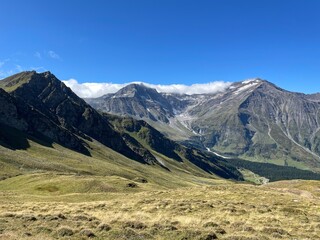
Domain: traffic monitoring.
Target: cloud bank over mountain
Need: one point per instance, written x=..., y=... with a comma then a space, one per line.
x=91, y=90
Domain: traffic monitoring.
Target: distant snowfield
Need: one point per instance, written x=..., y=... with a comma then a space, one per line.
x=256, y=80
x=245, y=87
x=92, y=90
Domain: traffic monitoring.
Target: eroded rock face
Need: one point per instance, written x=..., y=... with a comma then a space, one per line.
x=9, y=112
x=136, y=100
x=16, y=113
x=262, y=120
x=282, y=121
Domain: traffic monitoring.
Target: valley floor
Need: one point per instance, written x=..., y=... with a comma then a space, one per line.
x=222, y=210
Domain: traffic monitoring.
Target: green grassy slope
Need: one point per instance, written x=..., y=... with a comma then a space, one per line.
x=38, y=158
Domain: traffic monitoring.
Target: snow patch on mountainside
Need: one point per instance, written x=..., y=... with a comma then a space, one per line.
x=245, y=87
x=217, y=154
x=250, y=81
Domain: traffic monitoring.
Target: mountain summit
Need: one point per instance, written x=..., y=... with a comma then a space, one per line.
x=136, y=100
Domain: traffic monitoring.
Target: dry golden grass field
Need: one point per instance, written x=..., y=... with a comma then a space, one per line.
x=82, y=207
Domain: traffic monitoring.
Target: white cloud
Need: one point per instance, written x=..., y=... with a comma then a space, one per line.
x=198, y=88
x=9, y=67
x=93, y=89
x=38, y=55
x=3, y=62
x=38, y=69
x=88, y=90
x=54, y=55
x=19, y=68
x=4, y=74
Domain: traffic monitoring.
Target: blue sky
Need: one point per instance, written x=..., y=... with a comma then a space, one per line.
x=164, y=41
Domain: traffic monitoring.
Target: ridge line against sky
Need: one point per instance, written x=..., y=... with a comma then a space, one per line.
x=165, y=42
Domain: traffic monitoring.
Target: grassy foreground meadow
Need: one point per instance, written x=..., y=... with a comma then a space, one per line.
x=62, y=206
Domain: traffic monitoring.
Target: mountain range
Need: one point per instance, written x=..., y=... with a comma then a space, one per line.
x=169, y=139
x=45, y=126
x=253, y=119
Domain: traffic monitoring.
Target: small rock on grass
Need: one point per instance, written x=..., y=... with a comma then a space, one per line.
x=104, y=227
x=87, y=233
x=209, y=236
x=65, y=231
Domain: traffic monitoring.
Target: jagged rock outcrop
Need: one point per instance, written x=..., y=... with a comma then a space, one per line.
x=17, y=114
x=9, y=112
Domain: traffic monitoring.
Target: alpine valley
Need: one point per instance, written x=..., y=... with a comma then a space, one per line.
x=242, y=163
